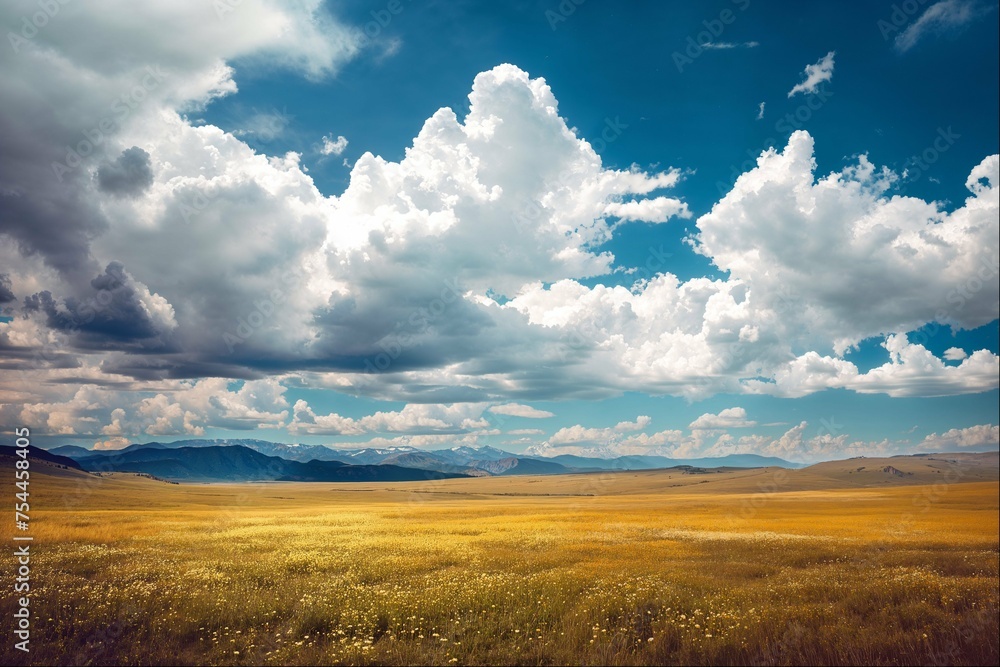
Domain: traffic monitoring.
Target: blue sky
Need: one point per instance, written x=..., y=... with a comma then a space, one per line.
x=639, y=84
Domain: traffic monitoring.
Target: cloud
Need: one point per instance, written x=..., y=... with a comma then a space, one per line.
x=657, y=209
x=607, y=443
x=837, y=259
x=333, y=146
x=572, y=435
x=191, y=408
x=728, y=418
x=730, y=45
x=50, y=158
x=816, y=74
x=939, y=18
x=128, y=176
x=799, y=443
x=984, y=437
x=6, y=294
x=418, y=419
x=118, y=313
x=76, y=407
x=911, y=371
x=518, y=410
x=111, y=444
x=955, y=354
x=641, y=422
x=264, y=126
x=307, y=421
x=760, y=110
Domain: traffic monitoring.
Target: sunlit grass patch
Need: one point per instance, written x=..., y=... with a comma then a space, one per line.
x=307, y=575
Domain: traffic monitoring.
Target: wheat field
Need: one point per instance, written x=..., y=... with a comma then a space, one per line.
x=748, y=567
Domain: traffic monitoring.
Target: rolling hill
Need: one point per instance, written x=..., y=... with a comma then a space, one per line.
x=589, y=463
x=39, y=454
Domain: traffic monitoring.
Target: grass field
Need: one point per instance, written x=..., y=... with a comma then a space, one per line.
x=820, y=566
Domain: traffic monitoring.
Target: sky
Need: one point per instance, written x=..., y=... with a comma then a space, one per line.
x=686, y=229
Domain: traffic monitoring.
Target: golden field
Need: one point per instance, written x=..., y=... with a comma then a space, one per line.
x=826, y=565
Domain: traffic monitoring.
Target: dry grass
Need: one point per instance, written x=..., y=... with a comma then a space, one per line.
x=131, y=571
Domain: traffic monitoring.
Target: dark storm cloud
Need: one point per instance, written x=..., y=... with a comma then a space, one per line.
x=112, y=317
x=181, y=366
x=6, y=295
x=128, y=176
x=47, y=212
x=39, y=225
x=22, y=358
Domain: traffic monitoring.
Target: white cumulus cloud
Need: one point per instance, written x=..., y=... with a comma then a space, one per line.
x=983, y=437
x=728, y=418
x=333, y=146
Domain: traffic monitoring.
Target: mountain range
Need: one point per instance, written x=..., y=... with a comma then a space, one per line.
x=237, y=463
x=249, y=459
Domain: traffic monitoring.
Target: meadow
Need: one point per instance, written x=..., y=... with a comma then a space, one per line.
x=742, y=567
